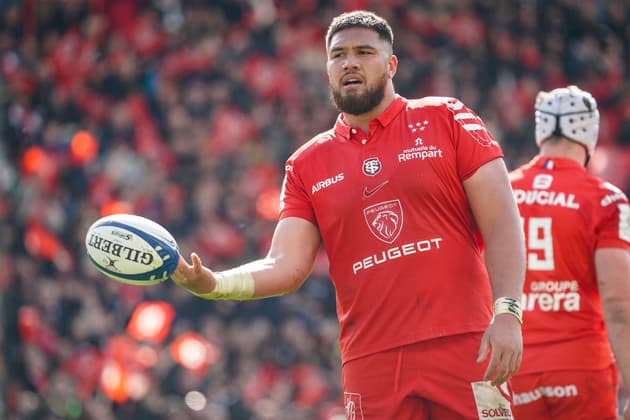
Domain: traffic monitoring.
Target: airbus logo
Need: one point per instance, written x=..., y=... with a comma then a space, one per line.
x=319, y=185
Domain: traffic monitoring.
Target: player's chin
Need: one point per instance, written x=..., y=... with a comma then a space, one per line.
x=352, y=90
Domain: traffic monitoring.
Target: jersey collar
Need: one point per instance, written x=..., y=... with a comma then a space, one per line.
x=342, y=128
x=555, y=162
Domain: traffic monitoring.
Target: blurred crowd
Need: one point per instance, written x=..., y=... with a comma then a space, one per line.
x=184, y=112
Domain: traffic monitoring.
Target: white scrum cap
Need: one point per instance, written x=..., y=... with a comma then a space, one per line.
x=568, y=112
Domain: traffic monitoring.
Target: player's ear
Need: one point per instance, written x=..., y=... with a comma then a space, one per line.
x=392, y=66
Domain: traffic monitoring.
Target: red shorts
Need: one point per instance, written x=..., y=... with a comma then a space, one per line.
x=433, y=379
x=566, y=394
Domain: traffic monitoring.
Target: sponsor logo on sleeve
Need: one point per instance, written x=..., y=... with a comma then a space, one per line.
x=611, y=198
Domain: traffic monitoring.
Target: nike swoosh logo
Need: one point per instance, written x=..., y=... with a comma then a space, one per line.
x=367, y=193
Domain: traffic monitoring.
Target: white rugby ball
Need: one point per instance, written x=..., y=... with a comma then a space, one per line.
x=132, y=249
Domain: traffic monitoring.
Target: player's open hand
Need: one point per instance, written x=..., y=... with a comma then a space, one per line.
x=196, y=278
x=503, y=340
x=626, y=411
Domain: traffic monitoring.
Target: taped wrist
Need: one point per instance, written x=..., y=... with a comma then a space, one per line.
x=508, y=305
x=234, y=284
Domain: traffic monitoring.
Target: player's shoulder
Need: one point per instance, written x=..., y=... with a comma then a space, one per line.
x=596, y=189
x=523, y=172
x=313, y=146
x=437, y=103
x=609, y=193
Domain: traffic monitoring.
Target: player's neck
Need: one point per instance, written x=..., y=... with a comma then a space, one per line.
x=564, y=149
x=363, y=120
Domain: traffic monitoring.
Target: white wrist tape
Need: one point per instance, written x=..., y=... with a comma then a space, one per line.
x=234, y=284
x=508, y=305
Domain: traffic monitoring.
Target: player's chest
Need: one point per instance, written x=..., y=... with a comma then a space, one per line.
x=408, y=164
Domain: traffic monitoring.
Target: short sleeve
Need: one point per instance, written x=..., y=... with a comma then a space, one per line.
x=614, y=230
x=474, y=144
x=294, y=199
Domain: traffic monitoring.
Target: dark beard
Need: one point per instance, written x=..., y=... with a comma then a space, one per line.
x=360, y=104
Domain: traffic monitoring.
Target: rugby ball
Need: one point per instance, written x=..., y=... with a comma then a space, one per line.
x=132, y=249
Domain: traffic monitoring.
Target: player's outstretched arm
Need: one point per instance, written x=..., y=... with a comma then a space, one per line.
x=496, y=214
x=613, y=276
x=289, y=262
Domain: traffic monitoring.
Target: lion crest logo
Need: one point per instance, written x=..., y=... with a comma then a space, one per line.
x=385, y=220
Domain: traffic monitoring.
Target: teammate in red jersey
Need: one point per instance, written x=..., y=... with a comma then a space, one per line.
x=400, y=193
x=577, y=287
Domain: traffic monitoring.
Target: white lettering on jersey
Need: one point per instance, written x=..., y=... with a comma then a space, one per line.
x=422, y=152
x=554, y=286
x=624, y=221
x=492, y=401
x=611, y=198
x=546, y=198
x=395, y=253
x=616, y=195
x=559, y=391
x=542, y=182
x=624, y=209
x=551, y=302
x=326, y=183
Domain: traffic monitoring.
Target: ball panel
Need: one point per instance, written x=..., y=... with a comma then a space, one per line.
x=119, y=249
x=136, y=280
x=141, y=225
x=132, y=249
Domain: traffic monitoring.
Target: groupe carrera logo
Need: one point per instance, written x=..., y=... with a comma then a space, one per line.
x=372, y=166
x=385, y=220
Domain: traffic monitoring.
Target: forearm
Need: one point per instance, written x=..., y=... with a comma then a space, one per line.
x=288, y=263
x=496, y=214
x=505, y=261
x=255, y=280
x=617, y=323
x=273, y=276
x=613, y=277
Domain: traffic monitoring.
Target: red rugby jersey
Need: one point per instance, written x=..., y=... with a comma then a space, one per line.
x=567, y=214
x=395, y=222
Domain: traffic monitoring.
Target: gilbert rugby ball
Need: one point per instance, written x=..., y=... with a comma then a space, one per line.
x=132, y=249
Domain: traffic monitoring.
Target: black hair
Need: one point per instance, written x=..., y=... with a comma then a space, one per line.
x=361, y=19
